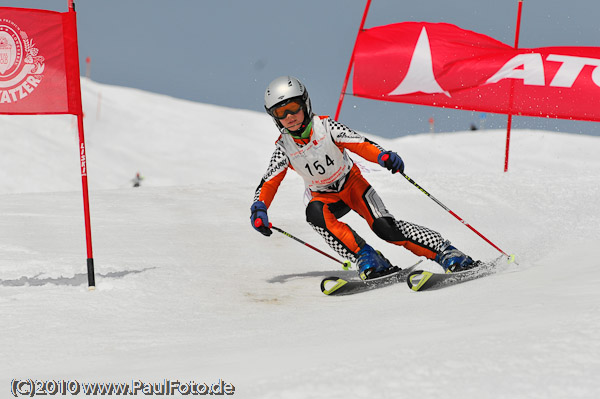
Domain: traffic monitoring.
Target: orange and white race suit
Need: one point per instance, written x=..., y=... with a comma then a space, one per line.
x=337, y=186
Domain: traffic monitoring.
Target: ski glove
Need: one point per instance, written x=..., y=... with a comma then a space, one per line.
x=391, y=161
x=259, y=218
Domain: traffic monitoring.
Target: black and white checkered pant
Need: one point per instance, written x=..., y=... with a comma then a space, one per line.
x=324, y=210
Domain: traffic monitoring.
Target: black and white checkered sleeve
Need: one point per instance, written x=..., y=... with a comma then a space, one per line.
x=278, y=164
x=343, y=134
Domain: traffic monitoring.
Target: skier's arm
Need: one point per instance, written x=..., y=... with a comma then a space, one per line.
x=347, y=138
x=367, y=149
x=271, y=180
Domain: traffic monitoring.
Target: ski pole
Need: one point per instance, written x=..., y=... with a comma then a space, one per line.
x=510, y=257
x=345, y=264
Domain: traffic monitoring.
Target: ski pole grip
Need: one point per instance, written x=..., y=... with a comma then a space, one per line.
x=259, y=222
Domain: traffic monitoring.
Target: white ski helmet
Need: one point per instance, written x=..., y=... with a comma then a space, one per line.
x=283, y=90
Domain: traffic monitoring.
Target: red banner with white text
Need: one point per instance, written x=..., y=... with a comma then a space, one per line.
x=39, y=66
x=442, y=65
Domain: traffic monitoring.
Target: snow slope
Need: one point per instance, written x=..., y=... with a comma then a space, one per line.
x=188, y=291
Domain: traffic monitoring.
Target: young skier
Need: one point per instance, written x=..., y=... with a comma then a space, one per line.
x=316, y=148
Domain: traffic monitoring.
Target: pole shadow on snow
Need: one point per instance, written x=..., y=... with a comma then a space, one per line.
x=78, y=279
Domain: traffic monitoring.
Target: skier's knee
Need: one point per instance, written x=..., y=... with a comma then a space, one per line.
x=314, y=214
x=386, y=229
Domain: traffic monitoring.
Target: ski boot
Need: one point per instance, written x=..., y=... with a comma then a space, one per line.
x=372, y=264
x=453, y=260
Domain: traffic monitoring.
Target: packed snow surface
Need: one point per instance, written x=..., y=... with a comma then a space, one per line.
x=188, y=291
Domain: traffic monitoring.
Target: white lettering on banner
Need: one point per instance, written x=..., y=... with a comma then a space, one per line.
x=21, y=91
x=528, y=67
x=420, y=76
x=571, y=68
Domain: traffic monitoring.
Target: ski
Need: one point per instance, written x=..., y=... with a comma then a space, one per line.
x=421, y=280
x=337, y=286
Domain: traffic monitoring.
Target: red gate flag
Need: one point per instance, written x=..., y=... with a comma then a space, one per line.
x=39, y=66
x=39, y=74
x=443, y=65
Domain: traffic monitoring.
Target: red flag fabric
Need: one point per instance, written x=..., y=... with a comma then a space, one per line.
x=443, y=65
x=39, y=66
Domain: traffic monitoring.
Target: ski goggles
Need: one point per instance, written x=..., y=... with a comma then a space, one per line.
x=291, y=108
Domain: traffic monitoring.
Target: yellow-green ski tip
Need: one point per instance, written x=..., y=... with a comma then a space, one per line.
x=511, y=258
x=346, y=265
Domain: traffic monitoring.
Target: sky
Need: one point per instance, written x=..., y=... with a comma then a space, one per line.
x=225, y=52
x=186, y=289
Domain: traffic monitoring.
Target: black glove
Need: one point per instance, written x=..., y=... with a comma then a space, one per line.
x=259, y=218
x=391, y=161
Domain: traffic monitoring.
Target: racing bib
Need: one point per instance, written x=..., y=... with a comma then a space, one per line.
x=320, y=162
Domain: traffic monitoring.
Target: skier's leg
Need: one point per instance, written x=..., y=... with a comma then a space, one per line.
x=420, y=240
x=322, y=214
x=424, y=242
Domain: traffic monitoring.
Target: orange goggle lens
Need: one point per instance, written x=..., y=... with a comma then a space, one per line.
x=289, y=108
